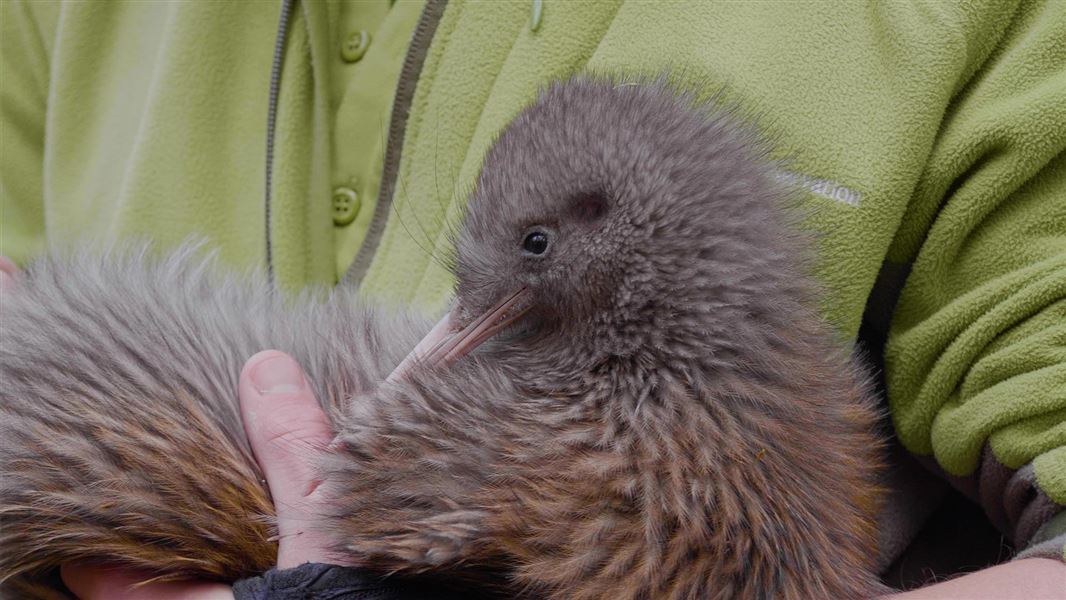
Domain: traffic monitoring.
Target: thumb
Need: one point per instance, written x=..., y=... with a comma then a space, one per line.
x=286, y=429
x=9, y=274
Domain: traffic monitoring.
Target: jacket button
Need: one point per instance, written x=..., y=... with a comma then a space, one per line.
x=354, y=46
x=345, y=206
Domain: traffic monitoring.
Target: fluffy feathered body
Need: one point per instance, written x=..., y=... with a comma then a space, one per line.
x=667, y=417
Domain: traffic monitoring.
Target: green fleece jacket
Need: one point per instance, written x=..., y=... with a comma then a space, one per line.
x=930, y=138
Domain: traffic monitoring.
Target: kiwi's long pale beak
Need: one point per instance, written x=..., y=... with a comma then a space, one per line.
x=449, y=341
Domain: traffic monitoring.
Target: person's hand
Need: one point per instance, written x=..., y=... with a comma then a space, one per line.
x=285, y=427
x=9, y=274
x=1026, y=579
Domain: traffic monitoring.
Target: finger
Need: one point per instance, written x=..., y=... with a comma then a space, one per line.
x=9, y=274
x=284, y=422
x=89, y=582
x=8, y=266
x=286, y=429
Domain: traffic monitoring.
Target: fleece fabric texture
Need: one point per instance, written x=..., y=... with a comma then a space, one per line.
x=930, y=138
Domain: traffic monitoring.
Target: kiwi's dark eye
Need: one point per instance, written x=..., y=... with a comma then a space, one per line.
x=536, y=242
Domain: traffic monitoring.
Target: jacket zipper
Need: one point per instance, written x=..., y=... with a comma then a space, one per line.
x=401, y=105
x=272, y=117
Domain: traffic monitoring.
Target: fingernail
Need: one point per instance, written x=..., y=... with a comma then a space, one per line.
x=8, y=266
x=8, y=274
x=277, y=374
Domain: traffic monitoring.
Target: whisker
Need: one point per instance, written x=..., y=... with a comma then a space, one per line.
x=397, y=212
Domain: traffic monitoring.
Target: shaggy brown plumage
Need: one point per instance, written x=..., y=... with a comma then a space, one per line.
x=665, y=417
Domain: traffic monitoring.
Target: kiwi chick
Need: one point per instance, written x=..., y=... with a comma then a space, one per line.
x=632, y=397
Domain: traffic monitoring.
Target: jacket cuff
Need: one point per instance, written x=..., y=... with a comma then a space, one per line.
x=1048, y=542
x=314, y=581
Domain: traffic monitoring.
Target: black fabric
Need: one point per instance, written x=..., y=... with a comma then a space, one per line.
x=315, y=581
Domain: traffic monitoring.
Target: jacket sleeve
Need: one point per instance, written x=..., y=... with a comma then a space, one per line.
x=321, y=581
x=25, y=42
x=976, y=356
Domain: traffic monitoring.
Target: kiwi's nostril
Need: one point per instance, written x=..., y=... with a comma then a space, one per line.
x=535, y=243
